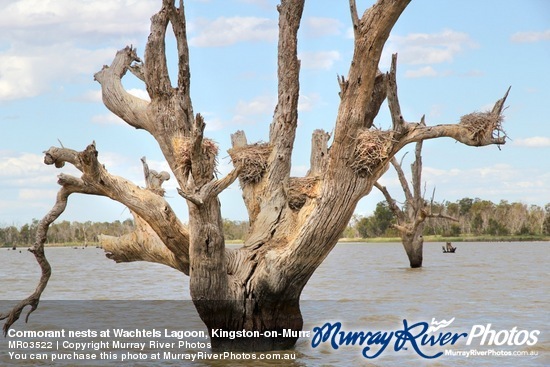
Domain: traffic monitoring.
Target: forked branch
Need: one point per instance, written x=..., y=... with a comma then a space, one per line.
x=146, y=203
x=131, y=109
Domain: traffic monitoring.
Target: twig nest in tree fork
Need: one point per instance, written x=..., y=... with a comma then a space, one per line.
x=482, y=126
x=299, y=189
x=182, y=148
x=253, y=159
x=371, y=149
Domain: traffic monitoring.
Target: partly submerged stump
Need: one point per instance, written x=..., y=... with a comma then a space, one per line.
x=448, y=248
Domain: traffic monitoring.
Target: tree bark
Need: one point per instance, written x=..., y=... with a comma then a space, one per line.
x=294, y=221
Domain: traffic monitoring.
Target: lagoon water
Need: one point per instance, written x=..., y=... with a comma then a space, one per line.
x=366, y=287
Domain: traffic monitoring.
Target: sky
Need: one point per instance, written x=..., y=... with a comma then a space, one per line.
x=454, y=57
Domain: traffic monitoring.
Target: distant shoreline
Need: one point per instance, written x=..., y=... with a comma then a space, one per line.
x=427, y=239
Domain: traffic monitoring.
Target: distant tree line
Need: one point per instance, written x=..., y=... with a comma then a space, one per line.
x=63, y=232
x=87, y=232
x=474, y=217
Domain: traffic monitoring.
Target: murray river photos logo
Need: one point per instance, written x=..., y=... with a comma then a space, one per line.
x=421, y=337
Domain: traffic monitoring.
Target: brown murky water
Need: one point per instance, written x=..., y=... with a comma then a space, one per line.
x=365, y=287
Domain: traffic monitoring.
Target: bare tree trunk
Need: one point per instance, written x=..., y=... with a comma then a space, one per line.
x=411, y=219
x=413, y=244
x=294, y=221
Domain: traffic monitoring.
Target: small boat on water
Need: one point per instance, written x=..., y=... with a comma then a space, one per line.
x=448, y=248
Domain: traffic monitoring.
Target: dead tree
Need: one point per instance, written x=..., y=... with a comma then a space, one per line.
x=411, y=218
x=294, y=222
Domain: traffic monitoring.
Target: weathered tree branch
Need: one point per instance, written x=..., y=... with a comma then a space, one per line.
x=148, y=205
x=177, y=19
x=319, y=151
x=368, y=45
x=477, y=129
x=416, y=170
x=378, y=97
x=38, y=250
x=128, y=107
x=285, y=119
x=391, y=202
x=157, y=79
x=354, y=16
x=154, y=179
x=393, y=101
x=142, y=244
x=402, y=180
x=441, y=216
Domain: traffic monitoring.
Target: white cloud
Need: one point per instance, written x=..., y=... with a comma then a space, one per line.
x=308, y=102
x=426, y=71
x=530, y=37
x=425, y=49
x=430, y=172
x=107, y=119
x=493, y=182
x=226, y=31
x=16, y=81
x=214, y=124
x=250, y=111
x=91, y=96
x=533, y=142
x=47, y=42
x=19, y=165
x=25, y=170
x=36, y=194
x=140, y=93
x=319, y=60
x=257, y=110
x=113, y=161
x=41, y=22
x=320, y=27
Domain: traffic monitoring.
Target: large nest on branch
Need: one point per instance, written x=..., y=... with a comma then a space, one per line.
x=253, y=159
x=300, y=189
x=182, y=150
x=372, y=148
x=483, y=125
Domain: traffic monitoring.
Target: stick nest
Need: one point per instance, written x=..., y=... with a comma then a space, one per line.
x=253, y=159
x=300, y=189
x=372, y=149
x=483, y=125
x=182, y=149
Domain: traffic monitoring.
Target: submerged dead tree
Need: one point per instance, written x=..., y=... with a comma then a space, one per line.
x=411, y=218
x=294, y=222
